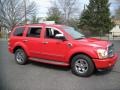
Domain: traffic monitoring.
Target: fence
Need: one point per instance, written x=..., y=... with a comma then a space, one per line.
x=109, y=36
x=4, y=34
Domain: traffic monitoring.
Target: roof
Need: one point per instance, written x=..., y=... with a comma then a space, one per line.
x=116, y=29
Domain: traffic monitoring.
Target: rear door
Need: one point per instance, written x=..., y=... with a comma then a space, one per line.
x=33, y=41
x=16, y=37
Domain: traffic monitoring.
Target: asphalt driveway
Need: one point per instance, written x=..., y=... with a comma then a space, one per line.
x=37, y=76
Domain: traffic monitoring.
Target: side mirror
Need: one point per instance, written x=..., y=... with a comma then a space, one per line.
x=60, y=36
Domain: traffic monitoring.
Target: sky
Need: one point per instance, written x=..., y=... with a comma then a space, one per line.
x=43, y=5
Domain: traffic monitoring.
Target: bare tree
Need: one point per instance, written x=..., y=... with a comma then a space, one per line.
x=68, y=8
x=54, y=14
x=116, y=0
x=12, y=12
x=34, y=19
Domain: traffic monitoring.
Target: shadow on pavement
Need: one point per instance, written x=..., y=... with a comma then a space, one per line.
x=50, y=66
x=102, y=72
x=62, y=68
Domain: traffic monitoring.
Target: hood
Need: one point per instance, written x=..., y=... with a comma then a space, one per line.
x=94, y=42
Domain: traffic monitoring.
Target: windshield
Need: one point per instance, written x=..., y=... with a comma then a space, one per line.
x=74, y=33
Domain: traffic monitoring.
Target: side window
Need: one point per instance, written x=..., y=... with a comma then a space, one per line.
x=50, y=33
x=18, y=31
x=34, y=32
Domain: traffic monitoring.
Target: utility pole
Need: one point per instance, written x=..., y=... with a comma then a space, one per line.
x=25, y=11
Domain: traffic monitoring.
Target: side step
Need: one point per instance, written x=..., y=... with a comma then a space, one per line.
x=49, y=61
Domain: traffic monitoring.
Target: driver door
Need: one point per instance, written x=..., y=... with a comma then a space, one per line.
x=54, y=49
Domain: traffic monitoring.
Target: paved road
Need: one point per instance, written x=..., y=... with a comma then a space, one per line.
x=36, y=76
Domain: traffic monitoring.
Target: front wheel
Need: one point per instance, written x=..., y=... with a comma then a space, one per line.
x=20, y=56
x=82, y=65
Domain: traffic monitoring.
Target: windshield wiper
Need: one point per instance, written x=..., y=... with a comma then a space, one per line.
x=79, y=38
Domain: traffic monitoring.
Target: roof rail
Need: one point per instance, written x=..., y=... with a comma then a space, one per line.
x=44, y=22
x=47, y=22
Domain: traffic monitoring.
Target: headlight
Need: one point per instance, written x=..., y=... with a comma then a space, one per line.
x=102, y=53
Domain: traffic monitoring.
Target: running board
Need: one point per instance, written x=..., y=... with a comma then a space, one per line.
x=49, y=61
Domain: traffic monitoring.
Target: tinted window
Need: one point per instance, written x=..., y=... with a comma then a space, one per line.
x=34, y=32
x=18, y=31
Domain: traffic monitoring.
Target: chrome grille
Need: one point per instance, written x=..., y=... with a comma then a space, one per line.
x=111, y=50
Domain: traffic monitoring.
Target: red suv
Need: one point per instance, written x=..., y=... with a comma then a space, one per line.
x=61, y=45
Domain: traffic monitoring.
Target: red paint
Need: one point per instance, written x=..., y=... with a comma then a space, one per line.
x=59, y=50
x=105, y=63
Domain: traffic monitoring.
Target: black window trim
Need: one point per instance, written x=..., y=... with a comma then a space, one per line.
x=17, y=28
x=53, y=29
x=29, y=28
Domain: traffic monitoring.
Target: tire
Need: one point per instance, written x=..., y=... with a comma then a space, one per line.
x=82, y=65
x=21, y=57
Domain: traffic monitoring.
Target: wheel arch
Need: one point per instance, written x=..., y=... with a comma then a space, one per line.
x=17, y=47
x=20, y=47
x=77, y=53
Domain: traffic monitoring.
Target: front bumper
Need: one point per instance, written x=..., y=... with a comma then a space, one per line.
x=105, y=63
x=10, y=49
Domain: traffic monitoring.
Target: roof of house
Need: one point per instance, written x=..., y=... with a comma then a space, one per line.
x=116, y=29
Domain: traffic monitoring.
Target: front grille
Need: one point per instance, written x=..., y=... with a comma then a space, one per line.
x=111, y=50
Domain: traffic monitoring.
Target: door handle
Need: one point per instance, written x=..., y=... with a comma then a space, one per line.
x=25, y=40
x=44, y=42
x=58, y=42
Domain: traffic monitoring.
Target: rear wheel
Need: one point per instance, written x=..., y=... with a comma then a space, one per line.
x=82, y=65
x=21, y=57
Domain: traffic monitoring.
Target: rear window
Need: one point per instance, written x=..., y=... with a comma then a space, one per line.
x=18, y=31
x=34, y=32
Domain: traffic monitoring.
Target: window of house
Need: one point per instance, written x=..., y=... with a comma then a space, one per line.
x=34, y=32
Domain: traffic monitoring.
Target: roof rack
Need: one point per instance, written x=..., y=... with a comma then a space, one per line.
x=47, y=22
x=44, y=22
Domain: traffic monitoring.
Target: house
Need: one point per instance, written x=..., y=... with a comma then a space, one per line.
x=116, y=29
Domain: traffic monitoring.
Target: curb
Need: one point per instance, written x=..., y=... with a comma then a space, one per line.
x=3, y=39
